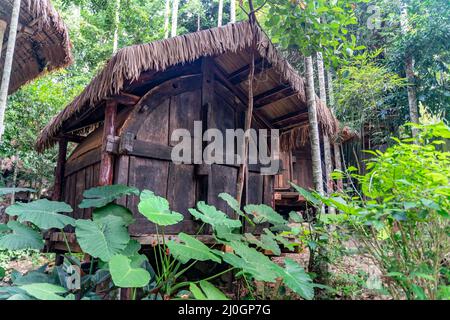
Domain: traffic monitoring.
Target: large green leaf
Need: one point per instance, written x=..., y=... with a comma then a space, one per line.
x=306, y=194
x=210, y=215
x=35, y=276
x=2, y=273
x=266, y=242
x=125, y=275
x=102, y=238
x=43, y=213
x=191, y=249
x=3, y=228
x=4, y=191
x=252, y=262
x=101, y=196
x=44, y=291
x=156, y=209
x=263, y=213
x=21, y=237
x=232, y=202
x=113, y=209
x=295, y=277
x=206, y=291
x=223, y=233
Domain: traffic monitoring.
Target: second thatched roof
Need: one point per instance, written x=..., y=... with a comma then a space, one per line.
x=228, y=45
x=42, y=43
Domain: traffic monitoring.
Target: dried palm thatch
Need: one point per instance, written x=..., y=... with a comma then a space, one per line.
x=42, y=43
x=128, y=64
x=298, y=136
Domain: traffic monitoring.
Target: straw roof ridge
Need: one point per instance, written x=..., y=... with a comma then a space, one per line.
x=128, y=63
x=50, y=40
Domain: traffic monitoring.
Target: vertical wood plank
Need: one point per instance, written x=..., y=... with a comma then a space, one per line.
x=59, y=172
x=88, y=184
x=122, y=167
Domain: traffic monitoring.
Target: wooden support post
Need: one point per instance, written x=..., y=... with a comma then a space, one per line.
x=109, y=131
x=59, y=172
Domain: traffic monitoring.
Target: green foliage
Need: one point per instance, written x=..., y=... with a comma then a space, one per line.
x=315, y=26
x=297, y=279
x=191, y=249
x=5, y=191
x=263, y=213
x=126, y=274
x=251, y=262
x=101, y=196
x=20, y=237
x=211, y=215
x=44, y=291
x=206, y=291
x=156, y=209
x=364, y=91
x=267, y=243
x=402, y=222
x=112, y=209
x=43, y=213
x=102, y=238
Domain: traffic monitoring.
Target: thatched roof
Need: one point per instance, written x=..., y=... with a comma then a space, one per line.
x=42, y=43
x=229, y=46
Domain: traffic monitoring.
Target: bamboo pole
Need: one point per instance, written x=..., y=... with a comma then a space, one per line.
x=243, y=168
x=8, y=63
x=109, y=130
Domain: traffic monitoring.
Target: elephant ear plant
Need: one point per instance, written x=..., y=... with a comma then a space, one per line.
x=116, y=261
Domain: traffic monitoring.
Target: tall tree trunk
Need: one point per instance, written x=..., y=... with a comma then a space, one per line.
x=198, y=22
x=166, y=19
x=409, y=70
x=174, y=18
x=412, y=95
x=8, y=63
x=220, y=15
x=116, y=26
x=313, y=126
x=232, y=11
x=336, y=144
x=326, y=139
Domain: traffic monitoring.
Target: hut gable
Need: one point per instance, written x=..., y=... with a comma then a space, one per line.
x=279, y=94
x=42, y=43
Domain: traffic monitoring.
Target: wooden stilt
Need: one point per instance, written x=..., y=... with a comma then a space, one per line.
x=109, y=131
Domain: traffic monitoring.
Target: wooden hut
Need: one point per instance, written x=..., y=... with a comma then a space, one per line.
x=126, y=115
x=42, y=42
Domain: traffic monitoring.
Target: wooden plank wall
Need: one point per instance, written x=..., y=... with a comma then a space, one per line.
x=177, y=183
x=81, y=175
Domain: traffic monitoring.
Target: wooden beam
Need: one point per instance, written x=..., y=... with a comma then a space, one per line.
x=125, y=99
x=273, y=95
x=59, y=171
x=241, y=74
x=72, y=138
x=109, y=131
x=296, y=116
x=221, y=75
